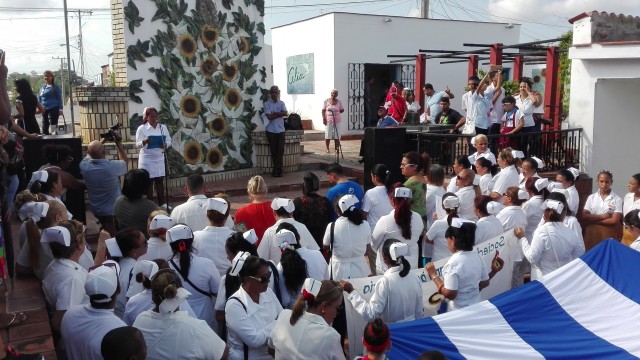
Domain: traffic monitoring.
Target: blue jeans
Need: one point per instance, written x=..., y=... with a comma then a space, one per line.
x=12, y=188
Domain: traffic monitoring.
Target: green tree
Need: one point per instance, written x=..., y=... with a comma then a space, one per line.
x=565, y=70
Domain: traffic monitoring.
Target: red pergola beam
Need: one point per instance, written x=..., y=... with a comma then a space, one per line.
x=552, y=91
x=421, y=71
x=472, y=68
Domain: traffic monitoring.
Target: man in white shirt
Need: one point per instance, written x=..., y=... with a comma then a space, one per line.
x=84, y=326
x=497, y=110
x=269, y=248
x=193, y=212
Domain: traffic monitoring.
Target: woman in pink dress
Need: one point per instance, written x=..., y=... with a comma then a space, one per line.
x=331, y=110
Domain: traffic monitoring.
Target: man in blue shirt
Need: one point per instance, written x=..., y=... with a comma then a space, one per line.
x=341, y=186
x=275, y=111
x=102, y=178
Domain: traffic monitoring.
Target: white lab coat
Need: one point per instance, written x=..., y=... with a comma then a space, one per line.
x=83, y=329
x=506, y=178
x=310, y=338
x=487, y=228
x=251, y=324
x=209, y=243
x=152, y=160
x=204, y=275
x=388, y=229
x=436, y=234
x=463, y=272
x=157, y=249
x=269, y=249
x=553, y=245
x=349, y=245
x=512, y=217
x=395, y=299
x=142, y=302
x=192, y=213
x=533, y=211
x=178, y=336
x=467, y=195
x=63, y=284
x=574, y=199
x=126, y=276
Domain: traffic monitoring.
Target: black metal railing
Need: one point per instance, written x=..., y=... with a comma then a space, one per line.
x=558, y=148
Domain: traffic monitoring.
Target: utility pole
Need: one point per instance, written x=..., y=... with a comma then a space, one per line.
x=66, y=31
x=424, y=10
x=80, y=45
x=62, y=59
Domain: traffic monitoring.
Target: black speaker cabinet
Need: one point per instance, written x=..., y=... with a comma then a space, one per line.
x=34, y=159
x=383, y=146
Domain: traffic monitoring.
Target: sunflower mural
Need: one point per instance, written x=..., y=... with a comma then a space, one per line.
x=198, y=63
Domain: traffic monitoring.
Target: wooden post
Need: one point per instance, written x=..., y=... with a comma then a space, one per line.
x=552, y=93
x=421, y=67
x=472, y=68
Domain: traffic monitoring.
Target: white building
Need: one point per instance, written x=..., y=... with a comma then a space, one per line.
x=605, y=78
x=348, y=48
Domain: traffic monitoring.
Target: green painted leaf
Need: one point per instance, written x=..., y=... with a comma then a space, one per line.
x=132, y=16
x=260, y=28
x=227, y=4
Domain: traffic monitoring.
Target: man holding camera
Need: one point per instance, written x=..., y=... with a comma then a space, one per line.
x=102, y=179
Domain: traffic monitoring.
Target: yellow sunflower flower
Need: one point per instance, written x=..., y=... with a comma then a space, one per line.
x=217, y=126
x=229, y=71
x=187, y=45
x=208, y=67
x=209, y=35
x=243, y=45
x=232, y=98
x=192, y=153
x=214, y=157
x=190, y=106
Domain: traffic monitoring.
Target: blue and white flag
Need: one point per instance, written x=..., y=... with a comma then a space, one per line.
x=588, y=309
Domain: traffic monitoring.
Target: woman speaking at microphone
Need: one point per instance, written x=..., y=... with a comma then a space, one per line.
x=152, y=138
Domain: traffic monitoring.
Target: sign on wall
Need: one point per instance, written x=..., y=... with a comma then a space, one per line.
x=300, y=74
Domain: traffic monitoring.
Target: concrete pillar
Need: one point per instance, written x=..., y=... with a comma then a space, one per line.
x=421, y=72
x=119, y=51
x=99, y=108
x=472, y=68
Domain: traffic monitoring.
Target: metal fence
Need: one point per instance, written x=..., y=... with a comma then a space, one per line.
x=558, y=149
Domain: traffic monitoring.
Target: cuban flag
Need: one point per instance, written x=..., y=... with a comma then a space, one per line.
x=588, y=309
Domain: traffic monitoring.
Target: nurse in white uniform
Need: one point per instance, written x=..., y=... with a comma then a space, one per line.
x=465, y=274
x=305, y=331
x=210, y=241
x=487, y=226
x=435, y=235
x=158, y=224
x=171, y=333
x=128, y=245
x=553, y=244
x=537, y=190
x=632, y=224
x=200, y=276
x=64, y=278
x=398, y=293
x=512, y=215
x=251, y=312
x=568, y=177
x=508, y=175
x=409, y=232
x=467, y=194
x=348, y=243
x=152, y=138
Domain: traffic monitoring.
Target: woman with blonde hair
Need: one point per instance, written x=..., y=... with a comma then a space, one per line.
x=305, y=331
x=158, y=224
x=257, y=215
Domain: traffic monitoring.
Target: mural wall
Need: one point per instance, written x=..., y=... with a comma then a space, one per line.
x=200, y=63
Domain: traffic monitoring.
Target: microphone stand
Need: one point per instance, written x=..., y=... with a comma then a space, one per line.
x=166, y=169
x=335, y=130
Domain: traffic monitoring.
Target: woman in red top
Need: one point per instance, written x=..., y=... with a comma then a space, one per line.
x=258, y=215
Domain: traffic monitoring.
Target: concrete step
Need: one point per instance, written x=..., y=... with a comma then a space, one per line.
x=313, y=135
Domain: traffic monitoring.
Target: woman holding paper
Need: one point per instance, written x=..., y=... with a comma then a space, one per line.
x=152, y=138
x=398, y=294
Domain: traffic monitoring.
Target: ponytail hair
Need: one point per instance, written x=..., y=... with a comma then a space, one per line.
x=45, y=187
x=144, y=280
x=381, y=172
x=294, y=270
x=402, y=213
x=354, y=215
x=330, y=291
x=464, y=236
x=406, y=266
x=185, y=255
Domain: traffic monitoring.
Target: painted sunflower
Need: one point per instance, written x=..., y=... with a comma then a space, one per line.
x=232, y=98
x=192, y=152
x=229, y=71
x=190, y=106
x=214, y=157
x=218, y=126
x=243, y=45
x=209, y=35
x=208, y=67
x=187, y=45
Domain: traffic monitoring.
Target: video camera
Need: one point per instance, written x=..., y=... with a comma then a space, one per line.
x=111, y=134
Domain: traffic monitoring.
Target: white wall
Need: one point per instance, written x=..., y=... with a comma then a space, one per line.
x=369, y=39
x=604, y=102
x=267, y=51
x=311, y=36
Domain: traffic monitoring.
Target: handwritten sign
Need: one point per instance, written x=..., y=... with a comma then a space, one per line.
x=300, y=74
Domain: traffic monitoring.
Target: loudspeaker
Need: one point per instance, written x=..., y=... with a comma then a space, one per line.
x=34, y=159
x=383, y=146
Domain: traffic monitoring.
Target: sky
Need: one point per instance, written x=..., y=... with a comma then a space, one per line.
x=34, y=29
